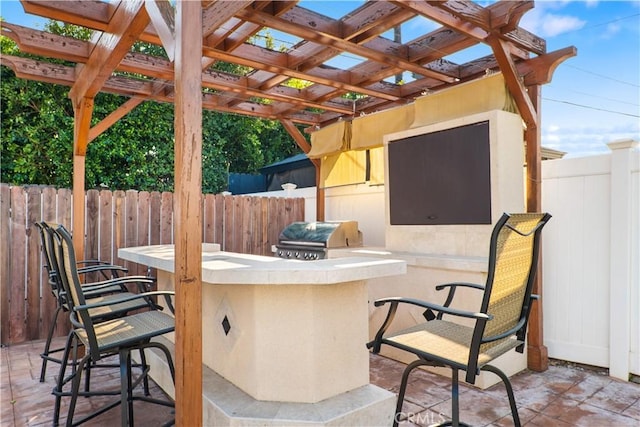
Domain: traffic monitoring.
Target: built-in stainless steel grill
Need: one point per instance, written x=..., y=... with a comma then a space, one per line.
x=312, y=240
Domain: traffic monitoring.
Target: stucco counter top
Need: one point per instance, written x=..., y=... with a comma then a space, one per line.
x=228, y=268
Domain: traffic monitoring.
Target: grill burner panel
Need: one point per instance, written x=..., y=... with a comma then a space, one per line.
x=303, y=253
x=311, y=240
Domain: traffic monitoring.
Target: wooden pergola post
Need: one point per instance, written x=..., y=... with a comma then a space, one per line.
x=187, y=213
x=537, y=355
x=306, y=147
x=83, y=111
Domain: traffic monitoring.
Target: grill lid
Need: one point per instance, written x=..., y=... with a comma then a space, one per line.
x=333, y=234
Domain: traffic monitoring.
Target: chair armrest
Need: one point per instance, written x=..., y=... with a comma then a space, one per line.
x=122, y=281
x=437, y=307
x=394, y=301
x=100, y=268
x=166, y=294
x=462, y=284
x=428, y=313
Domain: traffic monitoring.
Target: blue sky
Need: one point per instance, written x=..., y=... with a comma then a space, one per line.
x=593, y=99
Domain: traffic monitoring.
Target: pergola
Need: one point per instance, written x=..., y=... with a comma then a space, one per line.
x=198, y=34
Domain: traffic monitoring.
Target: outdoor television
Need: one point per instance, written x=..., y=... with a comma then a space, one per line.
x=441, y=177
x=447, y=183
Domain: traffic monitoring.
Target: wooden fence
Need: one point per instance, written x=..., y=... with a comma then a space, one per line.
x=113, y=220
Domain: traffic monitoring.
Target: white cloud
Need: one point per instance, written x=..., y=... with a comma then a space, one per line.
x=544, y=22
x=577, y=140
x=612, y=29
x=553, y=25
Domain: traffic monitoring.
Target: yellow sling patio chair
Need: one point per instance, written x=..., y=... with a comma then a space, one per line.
x=499, y=324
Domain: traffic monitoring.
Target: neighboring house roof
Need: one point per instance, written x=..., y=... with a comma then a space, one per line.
x=293, y=162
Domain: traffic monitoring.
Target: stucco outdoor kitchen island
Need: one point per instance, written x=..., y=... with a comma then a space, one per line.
x=286, y=338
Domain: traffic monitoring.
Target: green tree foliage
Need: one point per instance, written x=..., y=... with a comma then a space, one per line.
x=136, y=152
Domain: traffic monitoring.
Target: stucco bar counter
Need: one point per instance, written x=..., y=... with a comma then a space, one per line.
x=283, y=340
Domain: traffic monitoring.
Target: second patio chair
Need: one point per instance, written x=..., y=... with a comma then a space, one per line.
x=500, y=323
x=112, y=289
x=119, y=336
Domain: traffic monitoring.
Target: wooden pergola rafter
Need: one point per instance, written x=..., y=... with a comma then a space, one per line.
x=196, y=35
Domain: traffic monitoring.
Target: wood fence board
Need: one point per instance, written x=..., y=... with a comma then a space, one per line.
x=64, y=211
x=154, y=218
x=34, y=266
x=65, y=208
x=265, y=245
x=5, y=262
x=118, y=224
x=246, y=231
x=92, y=225
x=238, y=218
x=272, y=212
x=143, y=225
x=17, y=315
x=208, y=218
x=131, y=226
x=166, y=219
x=106, y=226
x=48, y=301
x=256, y=214
x=228, y=243
x=219, y=219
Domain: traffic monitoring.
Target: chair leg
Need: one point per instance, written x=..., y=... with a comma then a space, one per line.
x=455, y=398
x=57, y=391
x=507, y=385
x=403, y=388
x=126, y=394
x=145, y=379
x=75, y=389
x=47, y=345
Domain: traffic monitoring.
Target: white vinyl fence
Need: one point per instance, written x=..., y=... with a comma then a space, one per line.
x=591, y=254
x=591, y=259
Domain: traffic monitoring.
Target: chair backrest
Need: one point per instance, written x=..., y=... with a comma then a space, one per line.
x=48, y=248
x=66, y=264
x=513, y=260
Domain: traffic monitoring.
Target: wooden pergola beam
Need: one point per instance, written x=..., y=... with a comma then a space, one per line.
x=129, y=20
x=330, y=39
x=113, y=117
x=161, y=14
x=513, y=81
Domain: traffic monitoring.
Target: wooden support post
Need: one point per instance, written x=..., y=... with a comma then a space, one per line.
x=82, y=112
x=319, y=192
x=537, y=356
x=188, y=214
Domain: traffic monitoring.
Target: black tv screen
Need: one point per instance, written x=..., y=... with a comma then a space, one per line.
x=441, y=177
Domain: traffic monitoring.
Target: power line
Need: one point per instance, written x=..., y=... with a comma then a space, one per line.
x=592, y=108
x=600, y=25
x=602, y=76
x=596, y=96
x=606, y=23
